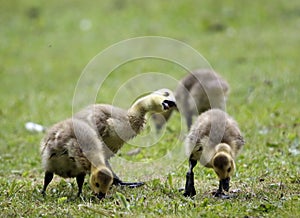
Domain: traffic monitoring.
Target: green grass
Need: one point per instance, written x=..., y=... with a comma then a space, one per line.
x=253, y=44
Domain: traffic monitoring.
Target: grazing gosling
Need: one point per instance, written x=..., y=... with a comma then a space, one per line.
x=214, y=140
x=197, y=92
x=84, y=143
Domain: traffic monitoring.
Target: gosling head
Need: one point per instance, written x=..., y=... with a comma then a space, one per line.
x=100, y=180
x=224, y=166
x=156, y=102
x=162, y=100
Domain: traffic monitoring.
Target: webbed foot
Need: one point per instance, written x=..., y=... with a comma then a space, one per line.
x=191, y=192
x=131, y=184
x=43, y=193
x=221, y=195
x=119, y=182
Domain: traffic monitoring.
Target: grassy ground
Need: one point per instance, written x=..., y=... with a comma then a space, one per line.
x=254, y=45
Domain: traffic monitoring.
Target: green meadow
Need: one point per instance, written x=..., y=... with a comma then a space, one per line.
x=45, y=47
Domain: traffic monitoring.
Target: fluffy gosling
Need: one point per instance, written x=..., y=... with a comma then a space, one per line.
x=197, y=92
x=83, y=144
x=214, y=140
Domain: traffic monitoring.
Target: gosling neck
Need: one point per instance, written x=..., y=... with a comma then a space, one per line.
x=223, y=148
x=140, y=107
x=137, y=112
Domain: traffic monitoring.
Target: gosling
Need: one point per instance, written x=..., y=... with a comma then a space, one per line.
x=84, y=143
x=197, y=92
x=215, y=140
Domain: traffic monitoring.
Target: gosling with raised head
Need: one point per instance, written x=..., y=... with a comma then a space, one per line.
x=215, y=140
x=197, y=92
x=83, y=144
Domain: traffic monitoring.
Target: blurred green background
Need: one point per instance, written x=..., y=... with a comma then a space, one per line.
x=254, y=45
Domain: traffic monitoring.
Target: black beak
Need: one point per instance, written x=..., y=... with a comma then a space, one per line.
x=225, y=184
x=168, y=104
x=100, y=195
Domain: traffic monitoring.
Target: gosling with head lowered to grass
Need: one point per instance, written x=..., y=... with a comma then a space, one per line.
x=214, y=140
x=84, y=143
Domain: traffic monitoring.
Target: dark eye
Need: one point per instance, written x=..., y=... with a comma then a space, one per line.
x=166, y=94
x=97, y=185
x=229, y=169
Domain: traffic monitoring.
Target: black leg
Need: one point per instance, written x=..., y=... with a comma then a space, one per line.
x=219, y=193
x=220, y=189
x=47, y=179
x=80, y=181
x=118, y=182
x=189, y=190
